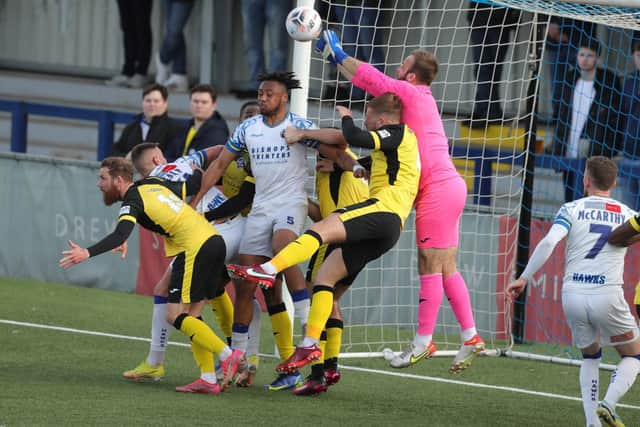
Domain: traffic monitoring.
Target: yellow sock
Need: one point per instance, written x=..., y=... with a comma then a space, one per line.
x=321, y=305
x=297, y=251
x=323, y=345
x=203, y=357
x=334, y=338
x=282, y=330
x=201, y=334
x=223, y=309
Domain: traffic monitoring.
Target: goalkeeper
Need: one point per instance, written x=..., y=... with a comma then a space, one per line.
x=440, y=201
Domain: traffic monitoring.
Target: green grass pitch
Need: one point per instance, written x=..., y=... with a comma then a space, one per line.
x=51, y=377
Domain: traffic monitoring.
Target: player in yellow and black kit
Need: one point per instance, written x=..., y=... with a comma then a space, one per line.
x=157, y=205
x=335, y=188
x=363, y=231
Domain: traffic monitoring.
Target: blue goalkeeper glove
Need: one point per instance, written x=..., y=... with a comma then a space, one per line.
x=320, y=48
x=333, y=46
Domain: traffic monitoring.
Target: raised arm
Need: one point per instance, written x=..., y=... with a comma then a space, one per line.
x=213, y=153
x=213, y=174
x=361, y=74
x=329, y=136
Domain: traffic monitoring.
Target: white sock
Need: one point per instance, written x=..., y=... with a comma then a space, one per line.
x=421, y=341
x=160, y=330
x=307, y=341
x=253, y=345
x=589, y=378
x=467, y=334
x=209, y=377
x=301, y=310
x=269, y=268
x=622, y=379
x=225, y=353
x=239, y=340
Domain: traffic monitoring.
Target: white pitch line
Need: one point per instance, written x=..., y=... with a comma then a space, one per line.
x=470, y=384
x=348, y=368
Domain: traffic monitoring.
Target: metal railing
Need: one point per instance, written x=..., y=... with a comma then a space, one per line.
x=21, y=110
x=483, y=158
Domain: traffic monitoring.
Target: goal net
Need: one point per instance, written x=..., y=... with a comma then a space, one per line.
x=500, y=89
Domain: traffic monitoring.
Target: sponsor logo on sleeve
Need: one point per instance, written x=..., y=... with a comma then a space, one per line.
x=383, y=133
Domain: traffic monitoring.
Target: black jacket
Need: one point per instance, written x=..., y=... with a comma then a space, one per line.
x=576, y=31
x=482, y=15
x=602, y=126
x=163, y=129
x=213, y=131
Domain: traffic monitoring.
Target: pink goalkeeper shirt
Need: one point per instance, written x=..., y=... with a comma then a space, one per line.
x=420, y=113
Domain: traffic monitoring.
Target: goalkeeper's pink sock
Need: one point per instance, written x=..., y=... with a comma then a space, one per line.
x=429, y=303
x=458, y=295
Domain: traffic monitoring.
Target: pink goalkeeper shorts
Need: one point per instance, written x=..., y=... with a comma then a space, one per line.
x=438, y=210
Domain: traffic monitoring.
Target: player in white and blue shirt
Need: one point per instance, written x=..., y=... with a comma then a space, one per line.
x=590, y=262
x=592, y=296
x=182, y=168
x=280, y=169
x=279, y=209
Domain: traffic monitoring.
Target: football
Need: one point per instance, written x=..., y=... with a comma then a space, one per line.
x=303, y=24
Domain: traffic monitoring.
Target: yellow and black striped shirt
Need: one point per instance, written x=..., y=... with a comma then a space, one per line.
x=395, y=168
x=157, y=205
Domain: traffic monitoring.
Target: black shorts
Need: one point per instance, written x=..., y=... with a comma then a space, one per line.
x=316, y=261
x=196, y=274
x=370, y=234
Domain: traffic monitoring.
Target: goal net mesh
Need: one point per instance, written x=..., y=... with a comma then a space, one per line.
x=484, y=88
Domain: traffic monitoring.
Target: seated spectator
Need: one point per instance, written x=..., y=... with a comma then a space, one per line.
x=630, y=147
x=206, y=127
x=152, y=125
x=588, y=115
x=491, y=29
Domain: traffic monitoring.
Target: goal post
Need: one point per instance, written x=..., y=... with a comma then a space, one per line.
x=514, y=187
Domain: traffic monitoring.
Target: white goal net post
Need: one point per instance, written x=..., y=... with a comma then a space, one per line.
x=380, y=309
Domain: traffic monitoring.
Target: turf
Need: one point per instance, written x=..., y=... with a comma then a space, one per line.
x=50, y=377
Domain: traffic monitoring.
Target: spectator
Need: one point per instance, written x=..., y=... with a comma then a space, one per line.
x=206, y=127
x=171, y=61
x=564, y=36
x=587, y=123
x=135, y=22
x=152, y=125
x=360, y=38
x=258, y=16
x=630, y=147
x=491, y=29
